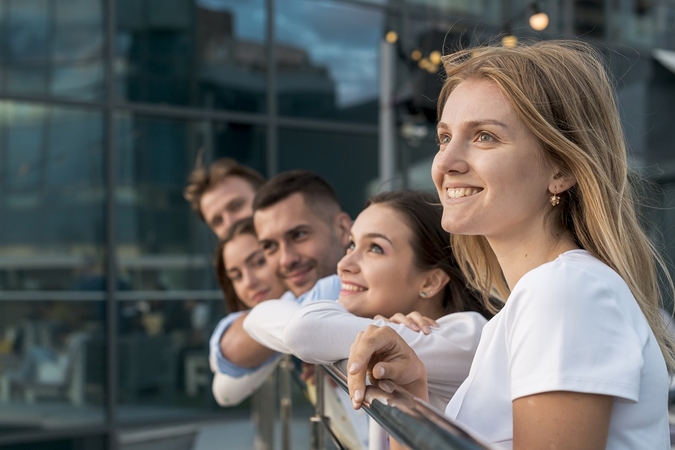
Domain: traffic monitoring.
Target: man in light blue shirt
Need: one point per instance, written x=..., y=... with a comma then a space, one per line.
x=304, y=233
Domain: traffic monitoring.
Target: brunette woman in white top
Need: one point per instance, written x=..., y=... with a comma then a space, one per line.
x=399, y=262
x=532, y=173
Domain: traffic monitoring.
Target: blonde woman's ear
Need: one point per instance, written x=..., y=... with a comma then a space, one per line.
x=561, y=182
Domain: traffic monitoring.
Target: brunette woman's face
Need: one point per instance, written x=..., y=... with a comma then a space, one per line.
x=489, y=172
x=246, y=267
x=377, y=273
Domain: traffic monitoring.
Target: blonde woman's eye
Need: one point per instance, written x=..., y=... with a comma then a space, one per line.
x=351, y=245
x=484, y=137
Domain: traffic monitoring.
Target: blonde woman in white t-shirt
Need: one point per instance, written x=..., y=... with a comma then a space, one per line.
x=533, y=176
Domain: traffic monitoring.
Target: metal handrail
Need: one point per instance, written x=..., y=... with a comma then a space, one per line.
x=408, y=419
x=411, y=420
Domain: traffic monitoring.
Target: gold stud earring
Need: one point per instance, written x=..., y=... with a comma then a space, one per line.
x=555, y=198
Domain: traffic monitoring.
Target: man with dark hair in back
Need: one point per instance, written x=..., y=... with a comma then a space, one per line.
x=302, y=228
x=222, y=193
x=304, y=233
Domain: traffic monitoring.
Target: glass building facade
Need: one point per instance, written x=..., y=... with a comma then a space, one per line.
x=107, y=292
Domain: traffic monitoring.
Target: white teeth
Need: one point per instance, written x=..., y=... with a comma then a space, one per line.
x=462, y=192
x=352, y=287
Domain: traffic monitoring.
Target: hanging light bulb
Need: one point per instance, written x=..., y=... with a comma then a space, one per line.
x=391, y=37
x=538, y=18
x=539, y=21
x=509, y=41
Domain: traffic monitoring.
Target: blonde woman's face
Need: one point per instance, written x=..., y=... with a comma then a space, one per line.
x=489, y=170
x=377, y=273
x=252, y=278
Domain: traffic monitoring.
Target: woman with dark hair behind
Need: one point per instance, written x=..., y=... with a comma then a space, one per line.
x=399, y=261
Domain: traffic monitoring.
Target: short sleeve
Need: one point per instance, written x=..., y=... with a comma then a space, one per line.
x=566, y=331
x=218, y=361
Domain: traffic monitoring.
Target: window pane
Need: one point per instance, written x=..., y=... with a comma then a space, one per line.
x=348, y=162
x=163, y=342
x=83, y=443
x=51, y=198
x=52, y=364
x=162, y=245
x=486, y=10
x=207, y=53
x=169, y=302
x=52, y=48
x=327, y=60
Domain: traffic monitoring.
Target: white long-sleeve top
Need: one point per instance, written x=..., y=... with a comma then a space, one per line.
x=322, y=332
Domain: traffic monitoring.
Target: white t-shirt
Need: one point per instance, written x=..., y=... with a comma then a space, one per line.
x=569, y=325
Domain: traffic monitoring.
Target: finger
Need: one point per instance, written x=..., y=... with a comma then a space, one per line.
x=420, y=321
x=379, y=317
x=405, y=320
x=429, y=321
x=357, y=367
x=370, y=345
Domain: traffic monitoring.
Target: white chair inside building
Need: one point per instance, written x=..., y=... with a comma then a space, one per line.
x=63, y=377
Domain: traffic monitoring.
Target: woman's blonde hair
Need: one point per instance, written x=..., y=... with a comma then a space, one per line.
x=562, y=91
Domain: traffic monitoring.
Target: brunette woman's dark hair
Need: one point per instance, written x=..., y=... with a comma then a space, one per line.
x=431, y=245
x=232, y=300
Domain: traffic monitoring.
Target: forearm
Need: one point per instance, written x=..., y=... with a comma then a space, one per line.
x=230, y=391
x=322, y=332
x=240, y=349
x=266, y=323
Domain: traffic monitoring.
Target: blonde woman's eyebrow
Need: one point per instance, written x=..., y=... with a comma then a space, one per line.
x=480, y=123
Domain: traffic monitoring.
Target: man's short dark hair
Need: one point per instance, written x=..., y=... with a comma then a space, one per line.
x=203, y=179
x=316, y=191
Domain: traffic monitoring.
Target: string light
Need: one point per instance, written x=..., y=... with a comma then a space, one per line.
x=391, y=37
x=509, y=41
x=539, y=21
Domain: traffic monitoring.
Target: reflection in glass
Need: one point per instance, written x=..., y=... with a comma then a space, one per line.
x=168, y=299
x=348, y=162
x=51, y=364
x=485, y=9
x=207, y=52
x=51, y=47
x=162, y=245
x=51, y=213
x=327, y=60
x=163, y=344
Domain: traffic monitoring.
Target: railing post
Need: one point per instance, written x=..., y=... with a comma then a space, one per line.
x=285, y=400
x=264, y=414
x=318, y=439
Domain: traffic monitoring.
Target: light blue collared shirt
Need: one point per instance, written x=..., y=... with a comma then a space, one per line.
x=327, y=288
